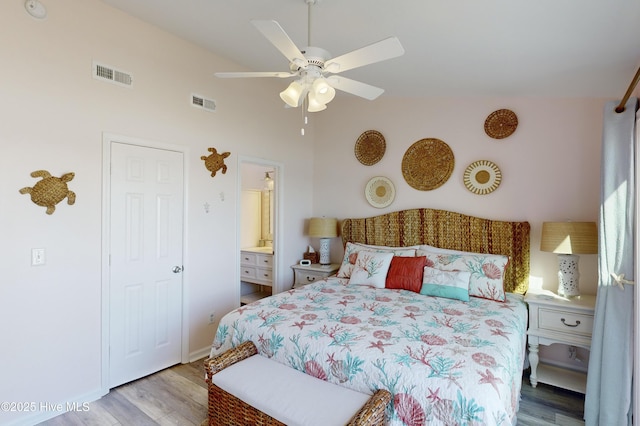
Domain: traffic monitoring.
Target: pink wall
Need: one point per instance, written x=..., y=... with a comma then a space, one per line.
x=550, y=165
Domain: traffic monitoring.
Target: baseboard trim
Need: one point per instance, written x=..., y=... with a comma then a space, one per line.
x=199, y=354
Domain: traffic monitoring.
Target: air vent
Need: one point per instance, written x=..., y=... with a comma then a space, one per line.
x=202, y=102
x=112, y=75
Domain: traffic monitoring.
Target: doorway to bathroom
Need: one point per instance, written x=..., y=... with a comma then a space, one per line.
x=258, y=229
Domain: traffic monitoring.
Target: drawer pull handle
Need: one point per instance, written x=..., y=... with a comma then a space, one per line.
x=311, y=278
x=570, y=325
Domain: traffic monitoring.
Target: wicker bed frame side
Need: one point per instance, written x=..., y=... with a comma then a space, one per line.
x=449, y=230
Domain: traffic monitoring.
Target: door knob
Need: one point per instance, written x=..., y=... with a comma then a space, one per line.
x=177, y=269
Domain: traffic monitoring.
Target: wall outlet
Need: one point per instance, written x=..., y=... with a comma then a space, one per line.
x=212, y=317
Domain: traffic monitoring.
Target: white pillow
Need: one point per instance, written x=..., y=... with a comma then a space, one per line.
x=371, y=269
x=487, y=270
x=387, y=248
x=352, y=249
x=433, y=249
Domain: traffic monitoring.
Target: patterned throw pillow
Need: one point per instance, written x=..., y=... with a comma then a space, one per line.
x=371, y=269
x=406, y=273
x=487, y=270
x=351, y=253
x=449, y=284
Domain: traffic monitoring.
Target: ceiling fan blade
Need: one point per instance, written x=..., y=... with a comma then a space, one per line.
x=355, y=87
x=279, y=38
x=250, y=74
x=376, y=52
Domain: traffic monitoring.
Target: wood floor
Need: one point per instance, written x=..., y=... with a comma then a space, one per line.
x=178, y=396
x=175, y=396
x=548, y=405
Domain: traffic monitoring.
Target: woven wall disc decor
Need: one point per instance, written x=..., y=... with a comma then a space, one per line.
x=501, y=123
x=482, y=177
x=370, y=147
x=427, y=164
x=380, y=192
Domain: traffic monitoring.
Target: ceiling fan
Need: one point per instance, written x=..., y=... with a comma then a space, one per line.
x=314, y=69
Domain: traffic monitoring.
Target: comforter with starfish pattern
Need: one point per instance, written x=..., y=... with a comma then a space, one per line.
x=446, y=362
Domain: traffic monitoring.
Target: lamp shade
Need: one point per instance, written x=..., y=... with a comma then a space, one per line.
x=322, y=227
x=569, y=237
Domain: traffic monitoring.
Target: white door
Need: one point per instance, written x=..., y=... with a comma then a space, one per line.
x=145, y=293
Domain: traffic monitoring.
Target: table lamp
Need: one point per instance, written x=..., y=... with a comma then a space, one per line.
x=569, y=239
x=323, y=228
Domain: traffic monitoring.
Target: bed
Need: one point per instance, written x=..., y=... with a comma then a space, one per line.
x=446, y=360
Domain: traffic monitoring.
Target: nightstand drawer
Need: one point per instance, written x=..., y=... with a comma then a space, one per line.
x=307, y=277
x=565, y=322
x=307, y=274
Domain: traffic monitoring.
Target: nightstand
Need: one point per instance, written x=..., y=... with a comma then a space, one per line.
x=303, y=275
x=555, y=319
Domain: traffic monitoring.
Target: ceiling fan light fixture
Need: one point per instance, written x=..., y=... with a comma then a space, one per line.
x=323, y=91
x=292, y=94
x=311, y=65
x=315, y=104
x=316, y=107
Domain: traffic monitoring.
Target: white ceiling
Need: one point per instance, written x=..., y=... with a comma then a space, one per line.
x=558, y=48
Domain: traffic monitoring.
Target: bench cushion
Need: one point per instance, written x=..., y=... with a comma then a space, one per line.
x=288, y=395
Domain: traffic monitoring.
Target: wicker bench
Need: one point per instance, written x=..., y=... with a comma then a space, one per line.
x=248, y=389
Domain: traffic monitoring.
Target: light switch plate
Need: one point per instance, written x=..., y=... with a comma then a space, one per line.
x=37, y=257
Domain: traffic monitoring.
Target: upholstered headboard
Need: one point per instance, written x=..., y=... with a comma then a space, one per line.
x=450, y=230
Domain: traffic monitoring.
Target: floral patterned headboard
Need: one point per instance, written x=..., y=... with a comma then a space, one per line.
x=450, y=230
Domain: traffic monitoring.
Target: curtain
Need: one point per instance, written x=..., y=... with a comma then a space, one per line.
x=609, y=397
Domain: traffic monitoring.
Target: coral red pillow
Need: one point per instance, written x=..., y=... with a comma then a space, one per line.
x=406, y=273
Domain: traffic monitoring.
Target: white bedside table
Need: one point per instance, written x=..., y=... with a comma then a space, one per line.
x=303, y=275
x=555, y=319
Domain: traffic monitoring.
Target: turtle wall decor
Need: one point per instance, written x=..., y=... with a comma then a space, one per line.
x=214, y=161
x=50, y=190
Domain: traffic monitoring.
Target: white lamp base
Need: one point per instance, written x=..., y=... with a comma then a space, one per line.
x=568, y=275
x=324, y=251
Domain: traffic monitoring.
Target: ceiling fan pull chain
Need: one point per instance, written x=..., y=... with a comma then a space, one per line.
x=304, y=117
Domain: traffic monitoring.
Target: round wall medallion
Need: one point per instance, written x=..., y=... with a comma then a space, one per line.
x=380, y=192
x=370, y=147
x=501, y=123
x=427, y=164
x=482, y=177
